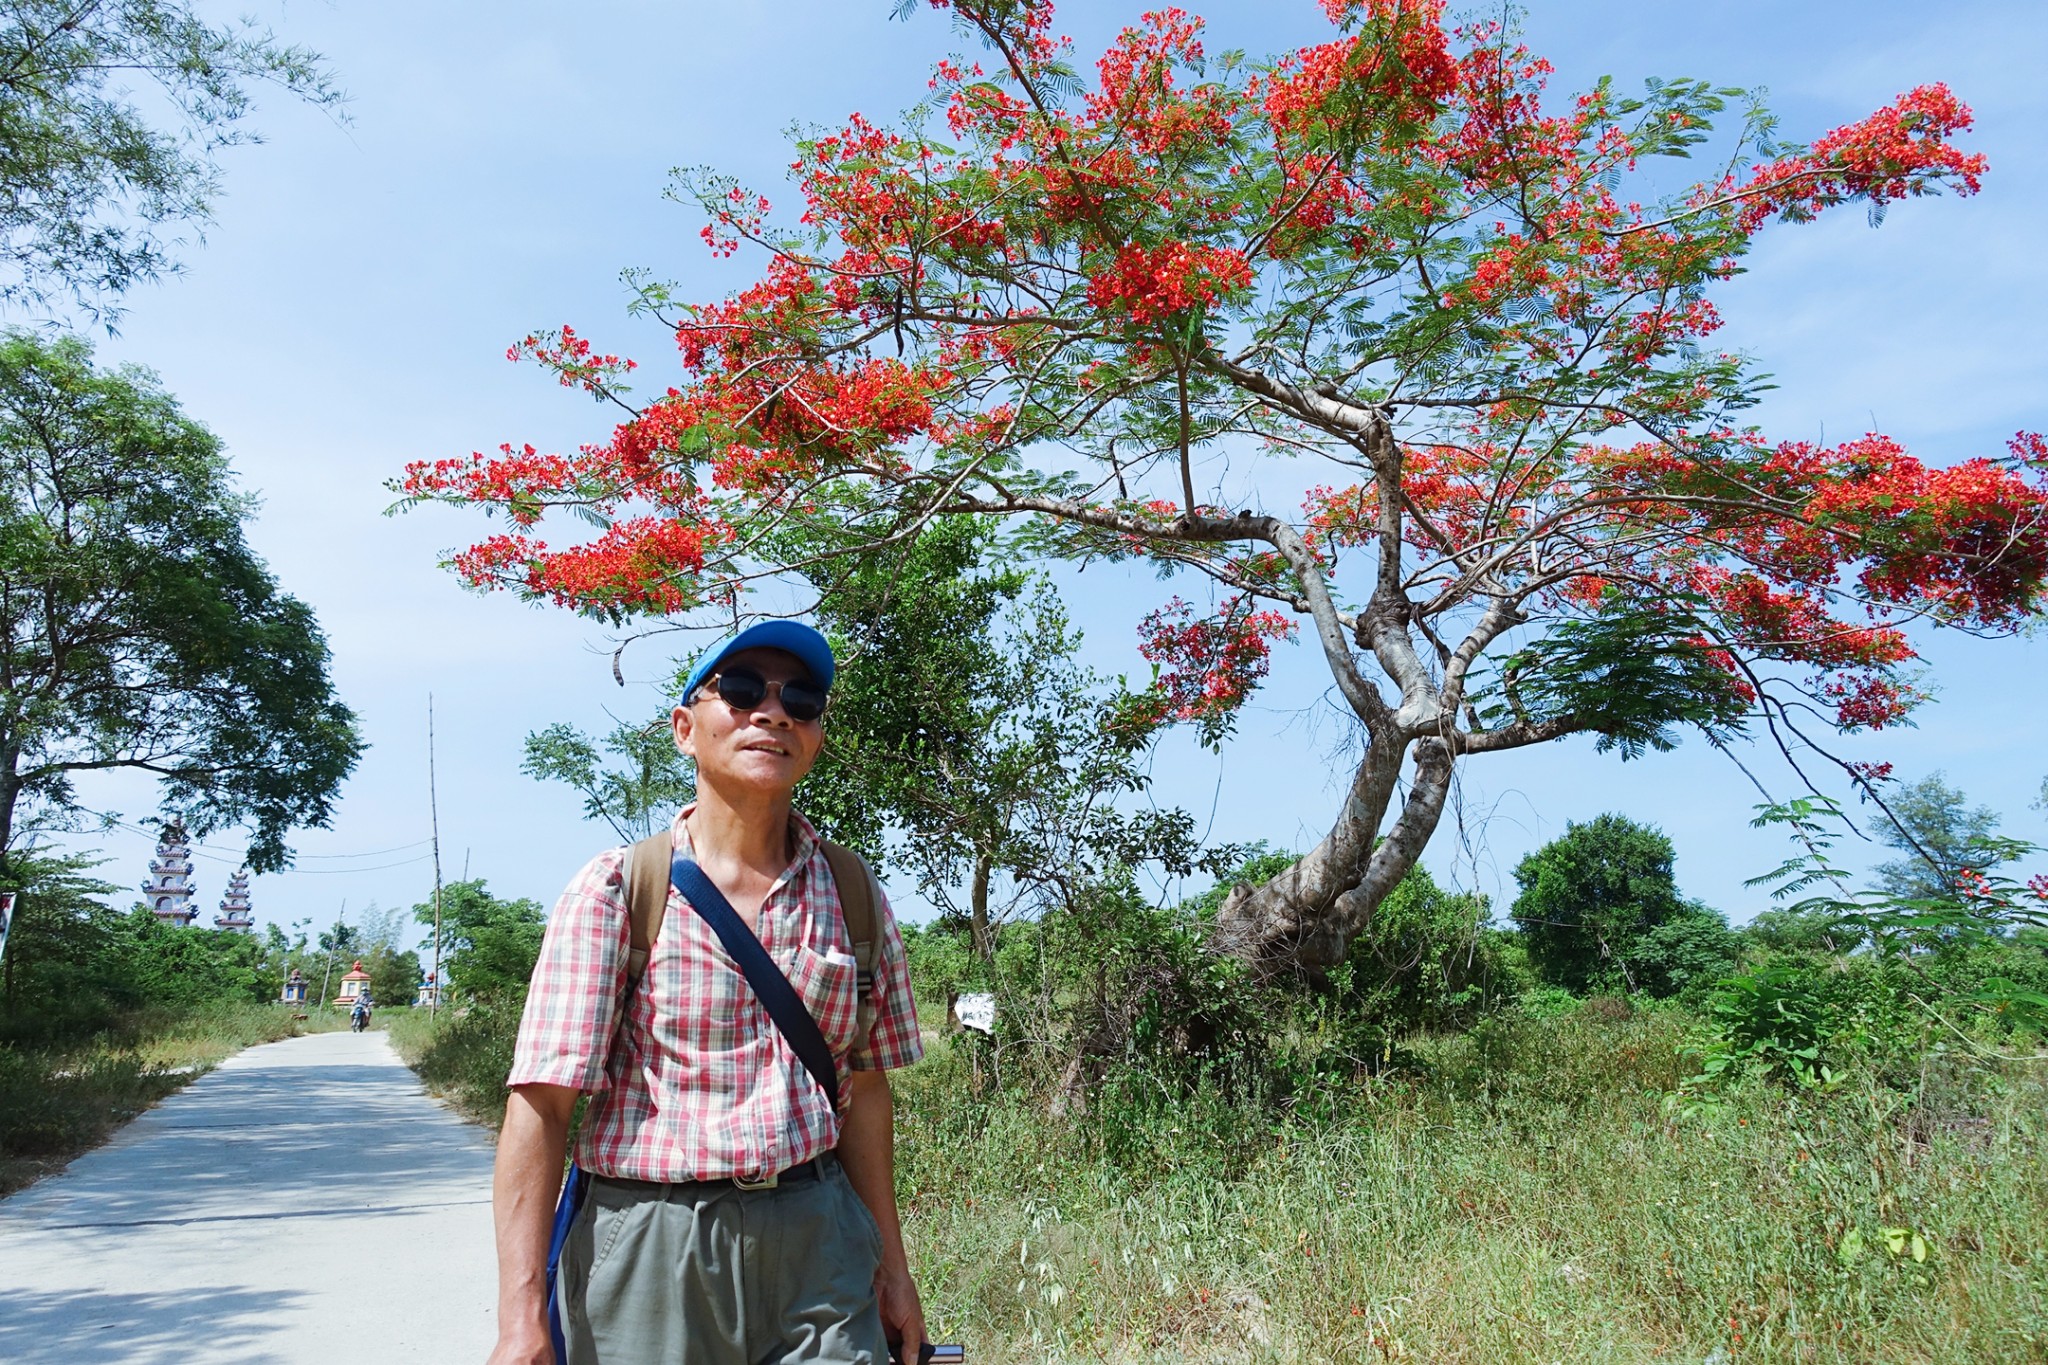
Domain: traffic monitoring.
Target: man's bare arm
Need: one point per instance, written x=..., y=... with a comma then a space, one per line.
x=525, y=1183
x=867, y=1149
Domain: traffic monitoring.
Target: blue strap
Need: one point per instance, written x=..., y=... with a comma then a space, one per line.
x=573, y=1189
x=771, y=987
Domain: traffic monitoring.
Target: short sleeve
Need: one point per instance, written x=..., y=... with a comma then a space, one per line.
x=565, y=1033
x=894, y=1040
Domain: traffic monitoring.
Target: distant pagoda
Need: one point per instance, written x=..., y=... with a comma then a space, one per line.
x=169, y=888
x=234, y=907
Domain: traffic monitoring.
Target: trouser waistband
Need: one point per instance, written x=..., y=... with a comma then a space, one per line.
x=813, y=1169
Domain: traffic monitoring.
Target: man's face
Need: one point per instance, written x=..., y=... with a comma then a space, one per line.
x=755, y=750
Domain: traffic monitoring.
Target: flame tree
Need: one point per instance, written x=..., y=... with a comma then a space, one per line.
x=1452, y=332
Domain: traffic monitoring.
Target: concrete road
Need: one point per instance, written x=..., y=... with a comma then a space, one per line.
x=305, y=1201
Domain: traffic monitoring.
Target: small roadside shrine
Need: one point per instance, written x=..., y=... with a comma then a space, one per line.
x=429, y=996
x=294, y=988
x=355, y=983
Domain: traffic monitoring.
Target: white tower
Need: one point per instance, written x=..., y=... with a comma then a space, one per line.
x=234, y=907
x=169, y=888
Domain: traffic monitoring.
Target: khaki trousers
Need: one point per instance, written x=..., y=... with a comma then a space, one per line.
x=722, y=1276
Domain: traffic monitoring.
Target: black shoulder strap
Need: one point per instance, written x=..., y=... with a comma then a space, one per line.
x=771, y=987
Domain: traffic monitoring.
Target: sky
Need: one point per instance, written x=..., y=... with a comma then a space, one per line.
x=499, y=166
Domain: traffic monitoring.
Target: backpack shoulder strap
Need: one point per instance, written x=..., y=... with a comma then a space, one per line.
x=858, y=892
x=856, y=887
x=647, y=864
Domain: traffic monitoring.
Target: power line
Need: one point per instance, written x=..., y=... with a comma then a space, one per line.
x=374, y=853
x=344, y=871
x=238, y=857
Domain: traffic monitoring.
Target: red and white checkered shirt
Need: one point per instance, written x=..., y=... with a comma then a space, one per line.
x=701, y=1084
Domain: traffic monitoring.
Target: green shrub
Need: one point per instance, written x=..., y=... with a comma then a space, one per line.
x=1548, y=1002
x=1774, y=1020
x=464, y=1053
x=1685, y=955
x=1429, y=960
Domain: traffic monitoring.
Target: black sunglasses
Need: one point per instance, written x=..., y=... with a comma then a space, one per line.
x=745, y=689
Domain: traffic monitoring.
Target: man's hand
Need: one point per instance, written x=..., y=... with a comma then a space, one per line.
x=902, y=1313
x=517, y=1346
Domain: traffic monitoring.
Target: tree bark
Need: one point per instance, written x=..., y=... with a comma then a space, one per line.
x=1305, y=919
x=984, y=942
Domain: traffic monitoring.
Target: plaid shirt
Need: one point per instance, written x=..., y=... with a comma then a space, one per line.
x=701, y=1084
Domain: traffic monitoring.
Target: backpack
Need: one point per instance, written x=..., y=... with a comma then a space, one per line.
x=647, y=887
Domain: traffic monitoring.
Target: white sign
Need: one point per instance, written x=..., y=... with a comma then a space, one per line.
x=976, y=1011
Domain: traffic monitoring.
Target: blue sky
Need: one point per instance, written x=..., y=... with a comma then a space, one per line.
x=502, y=164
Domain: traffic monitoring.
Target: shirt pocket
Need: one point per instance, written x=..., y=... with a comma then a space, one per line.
x=830, y=989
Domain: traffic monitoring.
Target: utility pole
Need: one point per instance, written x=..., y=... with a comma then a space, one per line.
x=434, y=816
x=334, y=942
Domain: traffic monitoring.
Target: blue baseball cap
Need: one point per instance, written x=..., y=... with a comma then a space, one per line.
x=791, y=637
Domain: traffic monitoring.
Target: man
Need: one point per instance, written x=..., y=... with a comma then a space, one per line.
x=678, y=1253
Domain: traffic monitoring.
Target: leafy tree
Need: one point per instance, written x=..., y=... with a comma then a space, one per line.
x=1589, y=897
x=337, y=945
x=652, y=782
x=140, y=631
x=488, y=946
x=1472, y=320
x=340, y=940
x=394, y=974
x=394, y=968
x=963, y=725
x=95, y=174
x=922, y=662
x=1941, y=835
x=60, y=947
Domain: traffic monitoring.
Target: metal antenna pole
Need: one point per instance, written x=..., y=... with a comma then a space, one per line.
x=434, y=815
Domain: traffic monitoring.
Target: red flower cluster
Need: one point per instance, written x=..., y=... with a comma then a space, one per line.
x=1208, y=666
x=1898, y=151
x=646, y=565
x=1148, y=285
x=1393, y=74
x=1136, y=90
x=571, y=358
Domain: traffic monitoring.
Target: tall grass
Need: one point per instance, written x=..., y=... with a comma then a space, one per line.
x=1524, y=1198
x=1519, y=1193
x=463, y=1055
x=58, y=1100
